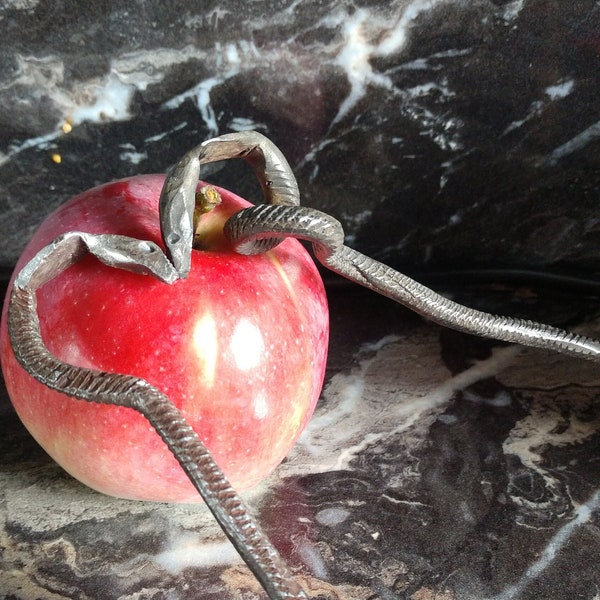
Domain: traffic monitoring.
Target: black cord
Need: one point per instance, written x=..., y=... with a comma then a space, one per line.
x=520, y=277
x=577, y=284
x=457, y=278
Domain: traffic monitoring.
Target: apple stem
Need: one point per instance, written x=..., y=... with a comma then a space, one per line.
x=207, y=198
x=125, y=390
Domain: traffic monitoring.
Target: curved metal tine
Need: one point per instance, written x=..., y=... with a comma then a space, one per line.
x=249, y=228
x=129, y=391
x=176, y=212
x=177, y=198
x=119, y=251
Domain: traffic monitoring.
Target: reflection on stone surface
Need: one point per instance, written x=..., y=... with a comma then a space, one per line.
x=435, y=466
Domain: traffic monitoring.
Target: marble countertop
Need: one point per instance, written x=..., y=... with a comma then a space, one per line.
x=437, y=465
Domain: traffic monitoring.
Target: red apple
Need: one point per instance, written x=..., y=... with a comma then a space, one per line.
x=239, y=347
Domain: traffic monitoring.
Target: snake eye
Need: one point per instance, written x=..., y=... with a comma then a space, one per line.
x=146, y=247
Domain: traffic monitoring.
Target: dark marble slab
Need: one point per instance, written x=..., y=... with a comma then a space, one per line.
x=436, y=466
x=442, y=133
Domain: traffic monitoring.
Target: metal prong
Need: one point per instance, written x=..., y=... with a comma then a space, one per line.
x=177, y=197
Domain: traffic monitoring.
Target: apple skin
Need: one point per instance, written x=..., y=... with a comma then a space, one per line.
x=239, y=347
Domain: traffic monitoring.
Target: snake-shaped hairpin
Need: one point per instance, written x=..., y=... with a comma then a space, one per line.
x=252, y=230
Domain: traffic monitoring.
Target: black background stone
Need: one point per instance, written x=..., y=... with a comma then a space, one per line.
x=461, y=150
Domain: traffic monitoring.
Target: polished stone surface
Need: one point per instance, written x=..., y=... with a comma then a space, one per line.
x=437, y=465
x=443, y=133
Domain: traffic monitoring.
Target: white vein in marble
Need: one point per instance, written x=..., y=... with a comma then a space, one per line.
x=186, y=549
x=580, y=141
x=336, y=433
x=561, y=538
x=512, y=9
x=552, y=93
x=363, y=35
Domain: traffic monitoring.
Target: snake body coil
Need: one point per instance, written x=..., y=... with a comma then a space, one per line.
x=256, y=224
x=137, y=394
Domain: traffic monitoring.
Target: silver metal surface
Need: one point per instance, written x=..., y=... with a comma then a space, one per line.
x=177, y=198
x=327, y=236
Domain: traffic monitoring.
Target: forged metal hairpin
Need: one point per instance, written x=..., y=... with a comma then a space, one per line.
x=177, y=198
x=176, y=214
x=259, y=223
x=252, y=230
